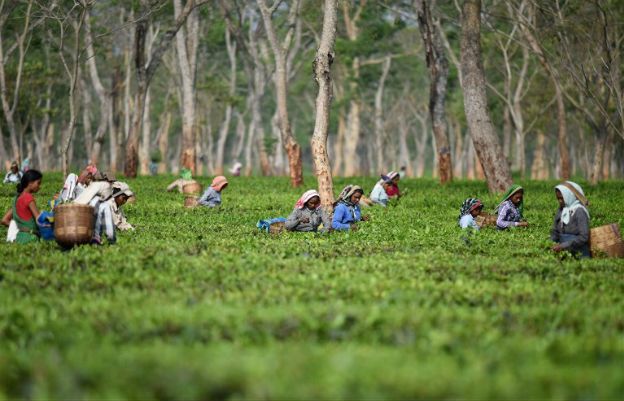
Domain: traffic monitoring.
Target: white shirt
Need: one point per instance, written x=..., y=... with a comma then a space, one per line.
x=468, y=221
x=379, y=195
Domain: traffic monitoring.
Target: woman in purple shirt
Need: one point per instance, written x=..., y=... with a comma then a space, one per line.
x=510, y=209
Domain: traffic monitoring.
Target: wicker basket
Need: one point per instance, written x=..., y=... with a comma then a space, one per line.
x=193, y=188
x=73, y=224
x=277, y=228
x=607, y=239
x=486, y=220
x=190, y=201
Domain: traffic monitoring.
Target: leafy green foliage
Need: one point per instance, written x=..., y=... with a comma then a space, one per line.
x=197, y=304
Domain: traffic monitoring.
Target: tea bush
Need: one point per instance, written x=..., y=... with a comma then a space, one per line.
x=197, y=304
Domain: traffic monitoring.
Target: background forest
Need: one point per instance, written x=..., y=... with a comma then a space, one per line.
x=76, y=75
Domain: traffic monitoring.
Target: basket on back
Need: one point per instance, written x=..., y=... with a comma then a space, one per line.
x=73, y=224
x=193, y=188
x=486, y=220
x=190, y=201
x=607, y=239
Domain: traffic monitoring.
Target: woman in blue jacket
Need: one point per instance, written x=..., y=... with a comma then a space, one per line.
x=346, y=210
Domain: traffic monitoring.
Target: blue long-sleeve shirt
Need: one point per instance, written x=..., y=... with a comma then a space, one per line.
x=345, y=215
x=210, y=198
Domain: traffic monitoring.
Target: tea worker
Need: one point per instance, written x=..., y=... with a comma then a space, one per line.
x=510, y=209
x=379, y=195
x=14, y=175
x=468, y=211
x=24, y=211
x=109, y=216
x=186, y=177
x=75, y=185
x=393, y=187
x=347, y=210
x=236, y=169
x=308, y=214
x=570, y=230
x=212, y=196
x=97, y=191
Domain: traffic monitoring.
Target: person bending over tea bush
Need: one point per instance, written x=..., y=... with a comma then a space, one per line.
x=109, y=216
x=469, y=210
x=510, y=209
x=186, y=178
x=308, y=215
x=393, y=188
x=347, y=210
x=570, y=229
x=212, y=195
x=75, y=185
x=379, y=194
x=24, y=211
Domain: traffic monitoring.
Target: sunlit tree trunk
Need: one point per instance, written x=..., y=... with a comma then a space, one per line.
x=482, y=132
x=225, y=125
x=322, y=74
x=379, y=118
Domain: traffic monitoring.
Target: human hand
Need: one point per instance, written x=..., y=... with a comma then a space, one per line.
x=557, y=248
x=354, y=227
x=523, y=224
x=305, y=220
x=365, y=218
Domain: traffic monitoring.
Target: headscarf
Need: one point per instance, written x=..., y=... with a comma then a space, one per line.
x=186, y=174
x=219, y=182
x=347, y=193
x=571, y=201
x=89, y=170
x=468, y=206
x=392, y=175
x=512, y=190
x=307, y=195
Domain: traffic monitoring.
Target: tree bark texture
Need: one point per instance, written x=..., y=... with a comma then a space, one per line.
x=485, y=141
x=322, y=75
x=292, y=148
x=438, y=75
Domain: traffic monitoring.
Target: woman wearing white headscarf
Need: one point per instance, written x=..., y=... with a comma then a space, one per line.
x=571, y=226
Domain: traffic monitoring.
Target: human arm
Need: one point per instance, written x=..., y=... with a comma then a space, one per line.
x=554, y=231
x=6, y=219
x=6, y=178
x=339, y=214
x=32, y=206
x=293, y=220
x=207, y=198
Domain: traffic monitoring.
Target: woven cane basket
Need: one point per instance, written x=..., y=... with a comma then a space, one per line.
x=277, y=228
x=486, y=220
x=190, y=201
x=607, y=239
x=73, y=224
x=193, y=188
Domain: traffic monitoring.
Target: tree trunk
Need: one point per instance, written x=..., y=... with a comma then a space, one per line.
x=292, y=148
x=339, y=145
x=163, y=142
x=379, y=122
x=225, y=126
x=539, y=158
x=438, y=74
x=352, y=140
x=322, y=74
x=482, y=132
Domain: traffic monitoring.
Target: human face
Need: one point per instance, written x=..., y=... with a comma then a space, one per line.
x=14, y=169
x=559, y=198
x=313, y=203
x=385, y=185
x=121, y=200
x=355, y=198
x=223, y=187
x=476, y=211
x=34, y=186
x=517, y=197
x=396, y=179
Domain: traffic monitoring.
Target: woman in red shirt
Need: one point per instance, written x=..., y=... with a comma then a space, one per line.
x=24, y=210
x=393, y=189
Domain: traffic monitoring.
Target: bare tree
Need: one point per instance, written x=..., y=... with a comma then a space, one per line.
x=322, y=75
x=486, y=142
x=280, y=50
x=438, y=73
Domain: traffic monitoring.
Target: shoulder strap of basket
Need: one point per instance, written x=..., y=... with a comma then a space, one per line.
x=576, y=193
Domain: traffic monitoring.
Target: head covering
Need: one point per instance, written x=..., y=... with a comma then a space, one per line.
x=512, y=190
x=121, y=188
x=186, y=174
x=219, y=182
x=468, y=206
x=393, y=174
x=571, y=200
x=347, y=193
x=307, y=195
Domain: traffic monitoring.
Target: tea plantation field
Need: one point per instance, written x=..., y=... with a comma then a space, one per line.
x=197, y=304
